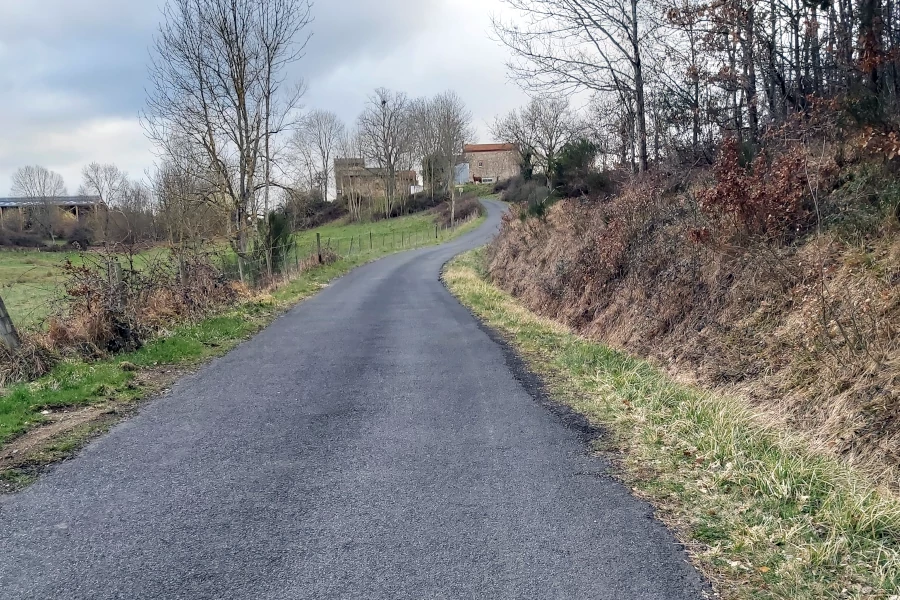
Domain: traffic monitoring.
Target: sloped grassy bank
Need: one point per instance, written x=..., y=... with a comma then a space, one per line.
x=762, y=514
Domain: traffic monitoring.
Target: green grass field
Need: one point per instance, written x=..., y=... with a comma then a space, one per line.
x=384, y=233
x=31, y=281
x=30, y=284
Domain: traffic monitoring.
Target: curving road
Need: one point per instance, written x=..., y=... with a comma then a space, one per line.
x=372, y=443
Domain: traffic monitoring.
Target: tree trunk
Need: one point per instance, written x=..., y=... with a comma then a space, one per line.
x=695, y=117
x=452, y=206
x=774, y=101
x=639, y=90
x=870, y=42
x=748, y=42
x=816, y=52
x=798, y=72
x=8, y=334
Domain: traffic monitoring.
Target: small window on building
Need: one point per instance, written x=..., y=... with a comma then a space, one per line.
x=480, y=163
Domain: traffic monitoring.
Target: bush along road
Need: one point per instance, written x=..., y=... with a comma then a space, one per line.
x=373, y=442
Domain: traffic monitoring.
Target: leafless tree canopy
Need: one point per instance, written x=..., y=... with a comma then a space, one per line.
x=426, y=142
x=314, y=148
x=540, y=130
x=597, y=45
x=37, y=182
x=386, y=138
x=453, y=125
x=41, y=184
x=218, y=85
x=105, y=181
x=674, y=75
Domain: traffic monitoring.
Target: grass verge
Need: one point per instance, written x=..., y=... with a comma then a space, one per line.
x=118, y=383
x=762, y=515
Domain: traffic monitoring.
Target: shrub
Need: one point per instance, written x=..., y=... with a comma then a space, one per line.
x=306, y=211
x=416, y=203
x=574, y=173
x=80, y=237
x=502, y=185
x=770, y=198
x=30, y=361
x=276, y=240
x=523, y=191
x=20, y=239
x=532, y=196
x=112, y=309
x=466, y=206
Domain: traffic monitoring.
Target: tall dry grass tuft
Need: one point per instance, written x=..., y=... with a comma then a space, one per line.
x=29, y=361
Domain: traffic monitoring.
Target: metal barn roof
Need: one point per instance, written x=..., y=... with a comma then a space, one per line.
x=56, y=200
x=488, y=147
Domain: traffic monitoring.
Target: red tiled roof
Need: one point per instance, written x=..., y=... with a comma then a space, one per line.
x=488, y=147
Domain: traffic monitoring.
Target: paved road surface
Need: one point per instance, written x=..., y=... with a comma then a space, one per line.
x=372, y=443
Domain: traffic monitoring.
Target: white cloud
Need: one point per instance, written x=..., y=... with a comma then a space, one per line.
x=67, y=150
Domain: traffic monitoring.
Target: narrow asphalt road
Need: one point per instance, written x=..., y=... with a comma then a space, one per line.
x=372, y=443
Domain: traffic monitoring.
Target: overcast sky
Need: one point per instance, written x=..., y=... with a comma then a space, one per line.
x=73, y=72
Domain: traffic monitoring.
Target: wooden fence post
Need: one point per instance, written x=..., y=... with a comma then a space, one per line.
x=114, y=271
x=8, y=334
x=435, y=231
x=350, y=251
x=371, y=245
x=319, y=246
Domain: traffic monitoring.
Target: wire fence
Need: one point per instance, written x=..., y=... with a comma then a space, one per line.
x=35, y=294
x=305, y=250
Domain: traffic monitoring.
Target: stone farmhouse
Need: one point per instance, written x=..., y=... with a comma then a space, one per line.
x=353, y=177
x=489, y=163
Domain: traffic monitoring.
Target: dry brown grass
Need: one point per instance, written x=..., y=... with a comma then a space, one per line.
x=31, y=360
x=112, y=308
x=807, y=331
x=761, y=514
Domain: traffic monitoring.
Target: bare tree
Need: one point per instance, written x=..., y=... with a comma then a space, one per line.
x=425, y=139
x=385, y=136
x=454, y=126
x=41, y=185
x=540, y=130
x=106, y=181
x=137, y=211
x=317, y=140
x=304, y=164
x=189, y=206
x=350, y=147
x=596, y=45
x=218, y=83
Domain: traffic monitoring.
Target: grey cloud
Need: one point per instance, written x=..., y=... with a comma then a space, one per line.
x=69, y=66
